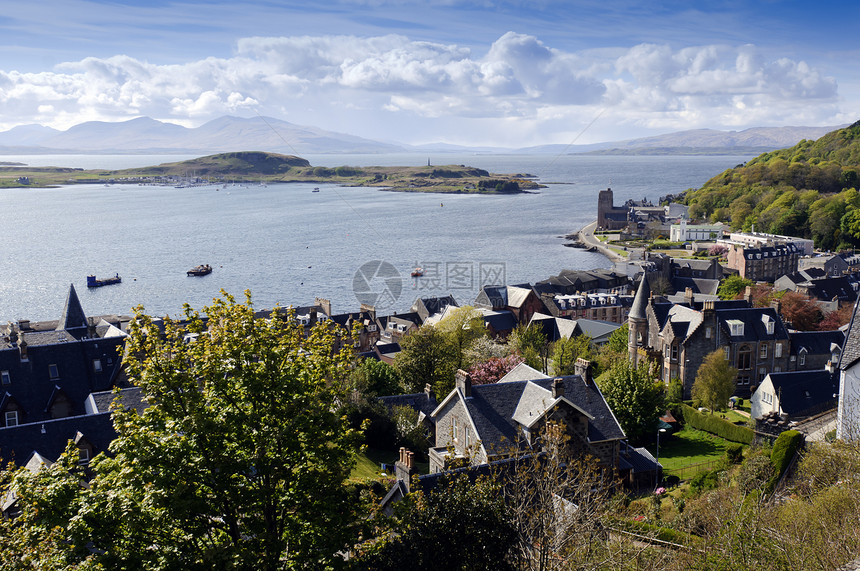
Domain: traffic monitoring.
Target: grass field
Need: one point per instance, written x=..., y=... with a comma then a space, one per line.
x=687, y=447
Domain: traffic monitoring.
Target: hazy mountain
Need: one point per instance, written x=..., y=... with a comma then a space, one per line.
x=145, y=135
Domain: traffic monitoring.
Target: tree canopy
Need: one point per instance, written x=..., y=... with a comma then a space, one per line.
x=715, y=381
x=635, y=398
x=239, y=460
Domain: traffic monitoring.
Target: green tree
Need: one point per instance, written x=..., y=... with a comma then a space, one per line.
x=732, y=286
x=635, y=398
x=374, y=378
x=715, y=381
x=460, y=525
x=427, y=356
x=565, y=352
x=462, y=326
x=531, y=343
x=241, y=457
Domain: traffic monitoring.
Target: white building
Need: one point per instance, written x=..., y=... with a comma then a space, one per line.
x=759, y=239
x=684, y=232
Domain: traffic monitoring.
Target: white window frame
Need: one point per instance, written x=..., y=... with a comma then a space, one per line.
x=777, y=350
x=11, y=418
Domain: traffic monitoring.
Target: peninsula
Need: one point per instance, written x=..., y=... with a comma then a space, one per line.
x=257, y=166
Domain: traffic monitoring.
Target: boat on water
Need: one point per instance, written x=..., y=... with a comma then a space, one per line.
x=417, y=273
x=316, y=189
x=93, y=282
x=202, y=270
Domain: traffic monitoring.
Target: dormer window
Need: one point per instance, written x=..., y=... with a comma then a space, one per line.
x=53, y=372
x=768, y=323
x=11, y=418
x=5, y=378
x=736, y=327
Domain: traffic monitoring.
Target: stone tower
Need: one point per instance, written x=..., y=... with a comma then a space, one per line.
x=637, y=321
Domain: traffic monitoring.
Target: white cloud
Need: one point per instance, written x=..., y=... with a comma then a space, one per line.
x=327, y=80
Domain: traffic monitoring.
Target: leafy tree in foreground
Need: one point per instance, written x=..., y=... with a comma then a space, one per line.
x=531, y=343
x=376, y=379
x=565, y=352
x=732, y=286
x=635, y=398
x=715, y=381
x=241, y=457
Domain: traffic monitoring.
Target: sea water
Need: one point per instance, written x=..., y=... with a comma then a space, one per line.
x=288, y=244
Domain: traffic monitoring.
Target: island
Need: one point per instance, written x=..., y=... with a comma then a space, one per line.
x=257, y=167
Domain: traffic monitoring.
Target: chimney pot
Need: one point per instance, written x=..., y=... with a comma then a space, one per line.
x=463, y=381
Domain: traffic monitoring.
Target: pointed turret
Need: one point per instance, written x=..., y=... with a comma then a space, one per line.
x=637, y=320
x=73, y=314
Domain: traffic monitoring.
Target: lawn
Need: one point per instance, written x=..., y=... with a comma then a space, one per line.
x=367, y=464
x=689, y=446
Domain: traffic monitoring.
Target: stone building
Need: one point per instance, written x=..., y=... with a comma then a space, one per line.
x=489, y=422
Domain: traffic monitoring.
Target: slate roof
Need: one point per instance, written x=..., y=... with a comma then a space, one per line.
x=500, y=320
x=639, y=459
x=800, y=391
x=816, y=342
x=698, y=285
x=73, y=316
x=851, y=348
x=493, y=408
x=130, y=397
x=522, y=372
x=595, y=328
x=17, y=443
x=754, y=328
x=554, y=328
x=640, y=302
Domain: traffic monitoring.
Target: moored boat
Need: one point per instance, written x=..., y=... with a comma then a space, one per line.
x=93, y=282
x=201, y=270
x=417, y=273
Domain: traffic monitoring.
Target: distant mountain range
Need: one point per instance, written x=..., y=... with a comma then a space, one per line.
x=148, y=136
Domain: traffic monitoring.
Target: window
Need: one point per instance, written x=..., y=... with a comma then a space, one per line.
x=777, y=350
x=53, y=371
x=726, y=349
x=4, y=375
x=707, y=332
x=777, y=369
x=97, y=365
x=802, y=358
x=762, y=373
x=84, y=455
x=674, y=352
x=744, y=358
x=454, y=427
x=736, y=327
x=467, y=437
x=762, y=353
x=12, y=418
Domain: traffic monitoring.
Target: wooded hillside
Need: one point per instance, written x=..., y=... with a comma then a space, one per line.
x=808, y=190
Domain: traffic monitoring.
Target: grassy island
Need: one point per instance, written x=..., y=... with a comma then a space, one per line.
x=255, y=166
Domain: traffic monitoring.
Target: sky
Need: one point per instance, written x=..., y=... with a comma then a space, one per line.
x=503, y=73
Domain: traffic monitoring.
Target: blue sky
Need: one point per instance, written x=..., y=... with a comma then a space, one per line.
x=502, y=73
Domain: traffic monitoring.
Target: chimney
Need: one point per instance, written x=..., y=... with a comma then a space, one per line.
x=312, y=316
x=688, y=295
x=22, y=348
x=324, y=304
x=428, y=390
x=708, y=307
x=91, y=327
x=776, y=304
x=405, y=467
x=463, y=382
x=369, y=309
x=582, y=367
x=557, y=387
x=748, y=295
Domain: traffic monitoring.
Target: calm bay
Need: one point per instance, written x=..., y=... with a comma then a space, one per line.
x=289, y=244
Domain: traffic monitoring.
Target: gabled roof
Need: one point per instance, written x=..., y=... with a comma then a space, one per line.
x=492, y=409
x=754, y=328
x=73, y=316
x=800, y=391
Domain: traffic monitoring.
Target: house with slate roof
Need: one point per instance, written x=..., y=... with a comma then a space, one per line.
x=48, y=374
x=427, y=306
x=393, y=328
x=848, y=410
x=600, y=306
x=522, y=302
x=680, y=336
x=494, y=421
x=795, y=395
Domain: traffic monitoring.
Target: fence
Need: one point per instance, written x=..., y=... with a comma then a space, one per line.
x=688, y=472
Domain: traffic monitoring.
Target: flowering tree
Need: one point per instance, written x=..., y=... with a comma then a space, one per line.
x=494, y=369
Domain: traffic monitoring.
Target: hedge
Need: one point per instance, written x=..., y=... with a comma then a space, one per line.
x=784, y=449
x=716, y=425
x=656, y=531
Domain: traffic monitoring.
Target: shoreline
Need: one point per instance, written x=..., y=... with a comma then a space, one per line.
x=586, y=239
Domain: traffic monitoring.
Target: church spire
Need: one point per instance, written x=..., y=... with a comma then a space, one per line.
x=73, y=314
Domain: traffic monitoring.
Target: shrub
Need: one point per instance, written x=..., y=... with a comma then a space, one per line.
x=735, y=453
x=705, y=481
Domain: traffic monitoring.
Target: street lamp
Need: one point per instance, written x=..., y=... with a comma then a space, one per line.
x=657, y=459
